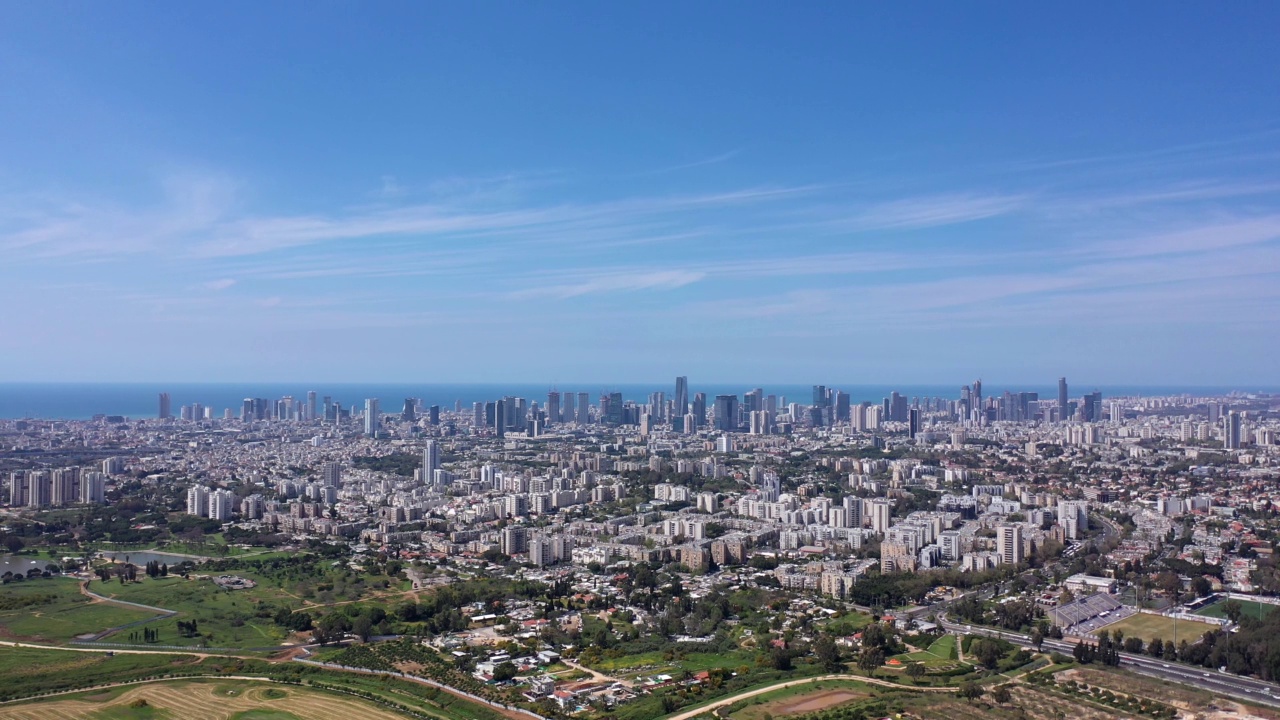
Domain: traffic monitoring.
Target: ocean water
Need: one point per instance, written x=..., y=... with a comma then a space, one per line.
x=78, y=401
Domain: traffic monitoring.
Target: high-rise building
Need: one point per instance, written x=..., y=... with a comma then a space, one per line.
x=611, y=412
x=430, y=459
x=222, y=504
x=842, y=406
x=820, y=396
x=311, y=405
x=166, y=407
x=584, y=408
x=499, y=418
x=681, y=397
x=410, y=411
x=553, y=407
x=331, y=474
x=65, y=487
x=1009, y=543
x=372, y=417
x=19, y=489
x=1062, y=398
x=913, y=422
x=880, y=511
x=726, y=412
x=1231, y=431
x=39, y=489
x=700, y=409
x=198, y=501
x=433, y=414
x=93, y=486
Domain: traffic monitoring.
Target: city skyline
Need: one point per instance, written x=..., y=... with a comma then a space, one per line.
x=845, y=192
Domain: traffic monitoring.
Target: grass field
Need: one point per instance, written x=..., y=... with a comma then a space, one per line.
x=27, y=671
x=225, y=618
x=1149, y=627
x=941, y=654
x=53, y=610
x=1248, y=609
x=187, y=700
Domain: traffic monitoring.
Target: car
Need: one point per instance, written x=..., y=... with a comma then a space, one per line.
x=1166, y=667
x=1206, y=674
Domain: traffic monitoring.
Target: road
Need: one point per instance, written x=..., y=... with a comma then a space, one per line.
x=1236, y=686
x=791, y=683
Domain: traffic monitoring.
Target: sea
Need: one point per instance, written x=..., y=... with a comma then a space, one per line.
x=83, y=401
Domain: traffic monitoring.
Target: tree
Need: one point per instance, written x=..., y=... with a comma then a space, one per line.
x=1001, y=694
x=971, y=691
x=827, y=653
x=1037, y=638
x=987, y=651
x=915, y=671
x=362, y=628
x=870, y=659
x=1233, y=610
x=504, y=671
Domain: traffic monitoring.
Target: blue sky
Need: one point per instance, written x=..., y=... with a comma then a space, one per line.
x=620, y=192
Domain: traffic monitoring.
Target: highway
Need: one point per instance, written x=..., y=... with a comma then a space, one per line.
x=1221, y=683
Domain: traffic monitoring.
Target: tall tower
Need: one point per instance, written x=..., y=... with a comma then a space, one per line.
x=1062, y=398
x=682, y=396
x=430, y=460
x=1231, y=431
x=372, y=417
x=553, y=407
x=166, y=408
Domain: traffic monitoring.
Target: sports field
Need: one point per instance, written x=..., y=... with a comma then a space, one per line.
x=1248, y=608
x=1149, y=627
x=222, y=700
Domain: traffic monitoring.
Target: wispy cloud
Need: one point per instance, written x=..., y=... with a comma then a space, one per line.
x=218, y=285
x=616, y=282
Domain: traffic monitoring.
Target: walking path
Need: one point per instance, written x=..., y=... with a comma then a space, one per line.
x=686, y=715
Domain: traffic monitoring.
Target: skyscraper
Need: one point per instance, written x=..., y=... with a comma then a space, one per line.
x=726, y=410
x=553, y=407
x=1009, y=543
x=584, y=408
x=166, y=408
x=311, y=405
x=699, y=411
x=430, y=460
x=499, y=419
x=682, y=396
x=410, y=411
x=913, y=422
x=372, y=417
x=1231, y=431
x=1062, y=398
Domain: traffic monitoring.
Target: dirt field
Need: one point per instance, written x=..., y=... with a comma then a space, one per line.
x=204, y=701
x=799, y=704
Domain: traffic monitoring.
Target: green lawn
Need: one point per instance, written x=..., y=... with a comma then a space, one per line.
x=940, y=654
x=848, y=624
x=944, y=646
x=1148, y=627
x=1248, y=609
x=27, y=671
x=53, y=610
x=224, y=618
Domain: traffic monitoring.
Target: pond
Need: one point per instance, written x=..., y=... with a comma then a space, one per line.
x=142, y=557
